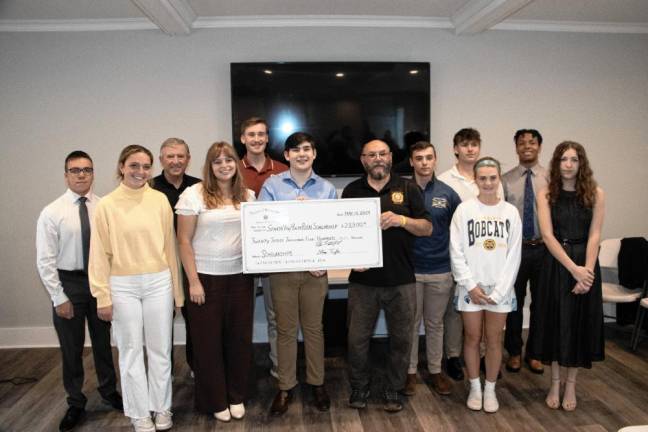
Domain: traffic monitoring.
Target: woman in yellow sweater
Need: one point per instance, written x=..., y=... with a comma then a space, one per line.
x=133, y=274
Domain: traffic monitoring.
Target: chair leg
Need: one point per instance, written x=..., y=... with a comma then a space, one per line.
x=636, y=332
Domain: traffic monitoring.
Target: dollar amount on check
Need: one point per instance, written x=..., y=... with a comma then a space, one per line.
x=281, y=236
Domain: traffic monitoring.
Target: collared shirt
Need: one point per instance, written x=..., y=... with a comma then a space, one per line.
x=432, y=253
x=282, y=187
x=465, y=187
x=402, y=197
x=172, y=193
x=514, y=184
x=254, y=179
x=59, y=242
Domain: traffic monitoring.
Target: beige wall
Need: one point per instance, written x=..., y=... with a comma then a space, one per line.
x=99, y=91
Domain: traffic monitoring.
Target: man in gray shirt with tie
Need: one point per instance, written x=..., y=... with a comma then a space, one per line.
x=62, y=247
x=520, y=187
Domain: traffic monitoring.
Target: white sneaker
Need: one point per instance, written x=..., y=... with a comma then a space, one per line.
x=474, y=401
x=163, y=420
x=237, y=411
x=223, y=416
x=144, y=424
x=491, y=405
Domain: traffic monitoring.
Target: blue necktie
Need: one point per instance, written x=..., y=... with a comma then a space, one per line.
x=528, y=226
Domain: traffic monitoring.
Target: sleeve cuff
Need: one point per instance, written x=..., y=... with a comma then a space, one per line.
x=104, y=301
x=59, y=299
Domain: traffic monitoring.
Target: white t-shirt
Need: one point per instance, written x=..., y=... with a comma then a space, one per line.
x=485, y=250
x=466, y=188
x=217, y=239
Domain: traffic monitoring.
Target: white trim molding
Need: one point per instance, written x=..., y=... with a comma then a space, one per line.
x=279, y=21
x=76, y=25
x=323, y=21
x=477, y=16
x=173, y=17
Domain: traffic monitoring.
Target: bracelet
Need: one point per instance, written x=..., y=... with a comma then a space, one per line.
x=403, y=221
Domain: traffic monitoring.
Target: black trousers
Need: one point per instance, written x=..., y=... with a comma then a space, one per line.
x=71, y=335
x=529, y=272
x=221, y=330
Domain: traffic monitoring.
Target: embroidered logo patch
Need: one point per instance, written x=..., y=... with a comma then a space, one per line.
x=397, y=197
x=489, y=244
x=439, y=203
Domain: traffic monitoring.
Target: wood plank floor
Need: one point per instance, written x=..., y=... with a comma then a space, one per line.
x=611, y=395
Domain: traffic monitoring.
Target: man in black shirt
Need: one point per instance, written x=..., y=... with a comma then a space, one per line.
x=392, y=287
x=174, y=158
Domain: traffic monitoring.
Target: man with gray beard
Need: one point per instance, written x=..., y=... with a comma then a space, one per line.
x=391, y=287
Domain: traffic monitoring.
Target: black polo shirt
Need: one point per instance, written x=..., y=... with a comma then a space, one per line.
x=402, y=197
x=160, y=183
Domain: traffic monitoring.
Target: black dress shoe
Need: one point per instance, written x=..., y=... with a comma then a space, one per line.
x=321, y=399
x=281, y=402
x=454, y=370
x=115, y=401
x=72, y=417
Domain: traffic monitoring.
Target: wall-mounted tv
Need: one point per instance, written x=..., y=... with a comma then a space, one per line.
x=342, y=104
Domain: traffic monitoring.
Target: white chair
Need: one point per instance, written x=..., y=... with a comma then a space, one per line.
x=613, y=292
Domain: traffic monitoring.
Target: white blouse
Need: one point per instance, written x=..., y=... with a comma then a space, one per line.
x=217, y=238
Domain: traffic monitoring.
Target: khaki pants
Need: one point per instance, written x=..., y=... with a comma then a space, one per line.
x=298, y=298
x=434, y=296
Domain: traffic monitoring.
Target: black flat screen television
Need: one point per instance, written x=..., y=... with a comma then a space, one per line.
x=342, y=104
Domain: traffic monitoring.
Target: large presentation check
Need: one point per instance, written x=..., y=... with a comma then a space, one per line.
x=280, y=236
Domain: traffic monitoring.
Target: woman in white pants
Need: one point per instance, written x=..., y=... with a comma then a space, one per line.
x=485, y=248
x=133, y=274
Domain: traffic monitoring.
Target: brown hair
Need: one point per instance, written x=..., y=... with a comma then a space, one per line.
x=127, y=152
x=212, y=194
x=421, y=145
x=253, y=121
x=585, y=183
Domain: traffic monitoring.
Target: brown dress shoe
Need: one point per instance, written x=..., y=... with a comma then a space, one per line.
x=535, y=366
x=514, y=363
x=321, y=399
x=410, y=385
x=440, y=383
x=281, y=402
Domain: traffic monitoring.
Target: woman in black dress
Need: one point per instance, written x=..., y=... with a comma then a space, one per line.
x=570, y=215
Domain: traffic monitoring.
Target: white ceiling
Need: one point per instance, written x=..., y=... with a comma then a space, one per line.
x=615, y=14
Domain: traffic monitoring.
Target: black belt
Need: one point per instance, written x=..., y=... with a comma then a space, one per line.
x=533, y=243
x=73, y=272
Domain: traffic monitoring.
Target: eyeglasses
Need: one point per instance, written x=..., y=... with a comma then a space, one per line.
x=77, y=171
x=374, y=155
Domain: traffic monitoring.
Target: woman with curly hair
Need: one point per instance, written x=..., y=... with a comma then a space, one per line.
x=221, y=297
x=570, y=215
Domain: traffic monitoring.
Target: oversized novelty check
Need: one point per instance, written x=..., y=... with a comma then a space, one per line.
x=280, y=236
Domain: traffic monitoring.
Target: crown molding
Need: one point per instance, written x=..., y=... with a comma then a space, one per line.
x=323, y=21
x=573, y=26
x=76, y=25
x=173, y=17
x=316, y=21
x=477, y=16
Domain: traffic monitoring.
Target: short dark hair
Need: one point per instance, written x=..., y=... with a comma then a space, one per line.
x=297, y=138
x=253, y=121
x=421, y=145
x=77, y=154
x=466, y=134
x=534, y=133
